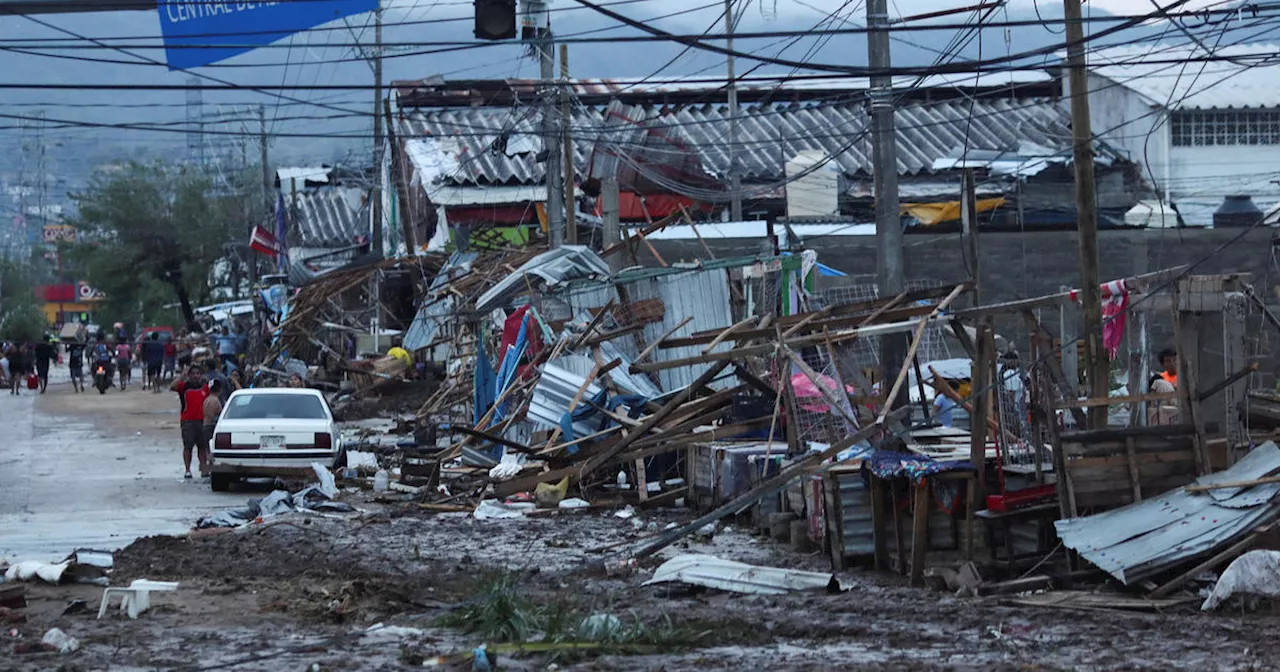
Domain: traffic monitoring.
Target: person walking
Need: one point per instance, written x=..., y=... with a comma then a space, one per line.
x=75, y=362
x=45, y=353
x=153, y=359
x=192, y=393
x=18, y=367
x=124, y=362
x=212, y=409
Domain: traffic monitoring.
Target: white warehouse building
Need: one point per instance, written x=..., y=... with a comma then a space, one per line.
x=1203, y=128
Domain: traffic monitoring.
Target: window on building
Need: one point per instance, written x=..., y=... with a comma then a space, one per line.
x=1204, y=128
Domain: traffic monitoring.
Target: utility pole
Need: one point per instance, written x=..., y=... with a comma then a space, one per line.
x=266, y=188
x=376, y=236
x=612, y=233
x=889, y=266
x=735, y=182
x=570, y=175
x=551, y=142
x=969, y=231
x=1099, y=370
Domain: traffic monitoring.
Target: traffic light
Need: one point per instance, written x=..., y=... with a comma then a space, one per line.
x=495, y=19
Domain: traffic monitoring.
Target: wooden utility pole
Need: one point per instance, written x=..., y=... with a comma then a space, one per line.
x=735, y=181
x=266, y=189
x=884, y=143
x=570, y=210
x=376, y=209
x=397, y=179
x=551, y=133
x=1096, y=363
x=969, y=231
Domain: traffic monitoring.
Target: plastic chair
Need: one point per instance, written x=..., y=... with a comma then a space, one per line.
x=136, y=598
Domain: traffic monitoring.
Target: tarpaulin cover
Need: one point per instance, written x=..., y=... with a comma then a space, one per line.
x=890, y=464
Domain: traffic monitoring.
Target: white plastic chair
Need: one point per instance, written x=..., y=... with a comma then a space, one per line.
x=136, y=598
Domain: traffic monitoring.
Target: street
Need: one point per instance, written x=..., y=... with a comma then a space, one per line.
x=93, y=471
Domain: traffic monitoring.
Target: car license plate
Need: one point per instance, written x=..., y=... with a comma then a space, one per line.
x=271, y=442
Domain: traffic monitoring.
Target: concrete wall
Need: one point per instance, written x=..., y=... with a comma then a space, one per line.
x=1016, y=265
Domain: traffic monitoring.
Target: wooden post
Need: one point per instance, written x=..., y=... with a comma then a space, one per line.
x=878, y=522
x=980, y=381
x=920, y=532
x=969, y=231
x=570, y=209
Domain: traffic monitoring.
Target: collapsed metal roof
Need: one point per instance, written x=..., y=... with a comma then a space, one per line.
x=500, y=145
x=1147, y=537
x=331, y=216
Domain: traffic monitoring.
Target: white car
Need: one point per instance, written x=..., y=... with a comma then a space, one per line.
x=273, y=432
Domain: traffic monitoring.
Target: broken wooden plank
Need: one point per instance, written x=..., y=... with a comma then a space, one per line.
x=1233, y=484
x=726, y=333
x=654, y=345
x=915, y=346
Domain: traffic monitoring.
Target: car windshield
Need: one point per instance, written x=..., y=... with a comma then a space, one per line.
x=275, y=406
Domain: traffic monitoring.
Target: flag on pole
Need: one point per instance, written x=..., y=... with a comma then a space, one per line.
x=264, y=242
x=282, y=260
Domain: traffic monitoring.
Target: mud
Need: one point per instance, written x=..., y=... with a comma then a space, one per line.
x=302, y=590
x=300, y=593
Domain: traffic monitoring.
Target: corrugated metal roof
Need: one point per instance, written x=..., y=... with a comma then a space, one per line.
x=495, y=145
x=331, y=216
x=1248, y=82
x=1160, y=533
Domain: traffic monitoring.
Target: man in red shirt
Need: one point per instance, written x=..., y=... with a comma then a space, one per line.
x=192, y=391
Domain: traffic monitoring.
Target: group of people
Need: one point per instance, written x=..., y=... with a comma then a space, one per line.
x=20, y=361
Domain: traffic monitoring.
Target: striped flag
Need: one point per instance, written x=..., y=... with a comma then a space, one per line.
x=264, y=242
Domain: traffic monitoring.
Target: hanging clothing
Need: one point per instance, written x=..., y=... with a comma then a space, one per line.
x=1115, y=311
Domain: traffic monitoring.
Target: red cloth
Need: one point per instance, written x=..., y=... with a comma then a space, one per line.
x=192, y=399
x=511, y=331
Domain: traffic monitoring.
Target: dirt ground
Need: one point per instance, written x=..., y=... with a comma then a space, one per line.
x=302, y=591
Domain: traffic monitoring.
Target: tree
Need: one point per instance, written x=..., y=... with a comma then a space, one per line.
x=20, y=316
x=151, y=233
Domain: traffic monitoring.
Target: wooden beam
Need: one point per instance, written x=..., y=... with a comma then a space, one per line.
x=1228, y=554
x=915, y=347
x=725, y=334
x=656, y=226
x=1126, y=399
x=1233, y=484
x=818, y=324
x=654, y=345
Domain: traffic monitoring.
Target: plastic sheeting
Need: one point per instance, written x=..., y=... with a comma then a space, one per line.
x=1254, y=573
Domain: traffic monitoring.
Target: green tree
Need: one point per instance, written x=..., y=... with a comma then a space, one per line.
x=152, y=234
x=20, y=316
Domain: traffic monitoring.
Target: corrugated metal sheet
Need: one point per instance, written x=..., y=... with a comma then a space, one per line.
x=702, y=295
x=1249, y=82
x=331, y=216
x=739, y=577
x=552, y=395
x=927, y=131
x=551, y=268
x=859, y=533
x=1160, y=533
x=436, y=312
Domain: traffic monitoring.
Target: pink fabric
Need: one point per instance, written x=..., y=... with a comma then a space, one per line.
x=805, y=389
x=1114, y=313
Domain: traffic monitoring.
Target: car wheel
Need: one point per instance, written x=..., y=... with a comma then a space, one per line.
x=219, y=482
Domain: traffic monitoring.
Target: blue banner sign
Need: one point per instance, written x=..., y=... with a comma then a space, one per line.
x=200, y=32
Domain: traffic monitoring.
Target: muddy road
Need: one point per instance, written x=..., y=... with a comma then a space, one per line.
x=305, y=590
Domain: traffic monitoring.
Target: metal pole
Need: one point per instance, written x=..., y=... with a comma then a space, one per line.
x=551, y=136
x=889, y=265
x=376, y=236
x=1096, y=363
x=570, y=175
x=735, y=182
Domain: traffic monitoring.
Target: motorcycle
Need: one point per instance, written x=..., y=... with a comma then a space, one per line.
x=102, y=376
